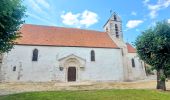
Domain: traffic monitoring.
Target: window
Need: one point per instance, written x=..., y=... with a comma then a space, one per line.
x=107, y=29
x=115, y=18
x=133, y=62
x=0, y=58
x=117, y=31
x=92, y=55
x=14, y=68
x=35, y=55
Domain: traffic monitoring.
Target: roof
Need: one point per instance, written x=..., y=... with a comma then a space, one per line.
x=60, y=36
x=130, y=48
x=111, y=17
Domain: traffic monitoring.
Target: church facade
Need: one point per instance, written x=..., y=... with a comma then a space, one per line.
x=47, y=53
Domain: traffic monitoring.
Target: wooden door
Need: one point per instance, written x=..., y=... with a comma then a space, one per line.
x=71, y=74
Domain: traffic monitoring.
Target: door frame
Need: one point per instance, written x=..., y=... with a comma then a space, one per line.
x=67, y=74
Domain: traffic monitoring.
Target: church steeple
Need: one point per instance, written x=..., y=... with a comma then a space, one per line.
x=114, y=26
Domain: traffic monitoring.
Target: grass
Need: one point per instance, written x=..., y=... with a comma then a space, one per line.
x=128, y=94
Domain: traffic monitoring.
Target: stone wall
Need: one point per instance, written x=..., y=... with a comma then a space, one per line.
x=108, y=65
x=137, y=72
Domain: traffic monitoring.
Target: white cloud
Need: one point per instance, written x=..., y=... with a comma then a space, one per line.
x=43, y=3
x=133, y=23
x=133, y=13
x=41, y=8
x=146, y=1
x=154, y=8
x=153, y=14
x=35, y=6
x=41, y=19
x=70, y=19
x=38, y=5
x=168, y=20
x=86, y=18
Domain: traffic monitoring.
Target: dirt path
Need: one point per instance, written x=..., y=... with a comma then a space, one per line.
x=10, y=88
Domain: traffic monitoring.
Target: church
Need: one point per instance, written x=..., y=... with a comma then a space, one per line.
x=59, y=54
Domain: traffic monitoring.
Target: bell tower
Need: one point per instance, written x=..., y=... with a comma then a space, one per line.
x=114, y=27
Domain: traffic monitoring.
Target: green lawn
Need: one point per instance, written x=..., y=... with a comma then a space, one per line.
x=91, y=95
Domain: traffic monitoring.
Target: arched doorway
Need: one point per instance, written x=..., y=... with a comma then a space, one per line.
x=72, y=65
x=71, y=76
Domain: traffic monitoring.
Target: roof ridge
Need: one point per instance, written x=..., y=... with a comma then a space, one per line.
x=64, y=27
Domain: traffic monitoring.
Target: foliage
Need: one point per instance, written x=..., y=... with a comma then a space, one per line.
x=149, y=70
x=91, y=95
x=153, y=46
x=11, y=14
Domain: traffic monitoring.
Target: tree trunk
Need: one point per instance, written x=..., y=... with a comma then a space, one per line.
x=160, y=80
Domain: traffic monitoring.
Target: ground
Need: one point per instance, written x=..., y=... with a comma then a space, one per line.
x=10, y=88
x=115, y=94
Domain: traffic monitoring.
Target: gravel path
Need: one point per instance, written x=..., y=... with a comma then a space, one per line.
x=11, y=88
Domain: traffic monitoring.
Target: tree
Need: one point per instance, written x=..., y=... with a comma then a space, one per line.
x=153, y=47
x=11, y=18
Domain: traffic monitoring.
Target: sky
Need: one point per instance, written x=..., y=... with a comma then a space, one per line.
x=136, y=15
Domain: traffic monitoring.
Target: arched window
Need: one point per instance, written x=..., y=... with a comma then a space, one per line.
x=133, y=62
x=117, y=31
x=115, y=18
x=35, y=55
x=92, y=55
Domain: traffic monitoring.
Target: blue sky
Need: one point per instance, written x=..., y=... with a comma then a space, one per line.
x=136, y=15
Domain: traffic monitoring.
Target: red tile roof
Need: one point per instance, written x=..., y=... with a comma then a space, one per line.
x=59, y=36
x=130, y=48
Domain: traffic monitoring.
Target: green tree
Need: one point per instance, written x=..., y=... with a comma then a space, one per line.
x=153, y=46
x=11, y=18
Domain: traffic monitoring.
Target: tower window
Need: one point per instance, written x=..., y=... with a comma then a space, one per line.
x=35, y=55
x=117, y=34
x=133, y=62
x=92, y=55
x=107, y=29
x=115, y=18
x=116, y=31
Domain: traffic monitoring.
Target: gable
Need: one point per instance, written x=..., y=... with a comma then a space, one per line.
x=130, y=48
x=59, y=36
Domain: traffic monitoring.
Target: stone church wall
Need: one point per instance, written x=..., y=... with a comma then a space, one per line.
x=137, y=72
x=19, y=67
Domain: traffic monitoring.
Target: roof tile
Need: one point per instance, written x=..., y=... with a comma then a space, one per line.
x=60, y=36
x=130, y=48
